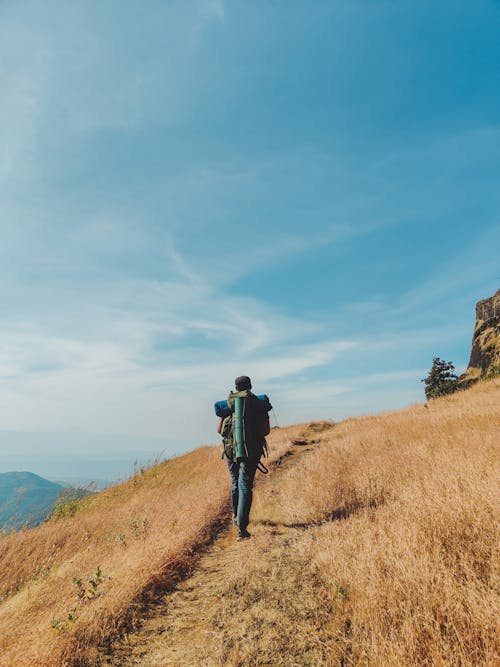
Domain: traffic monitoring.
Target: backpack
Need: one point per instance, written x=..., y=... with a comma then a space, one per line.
x=254, y=422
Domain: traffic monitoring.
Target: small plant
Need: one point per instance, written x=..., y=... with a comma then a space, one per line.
x=138, y=472
x=85, y=590
x=341, y=591
x=139, y=528
x=95, y=581
x=88, y=590
x=42, y=574
x=134, y=527
x=441, y=379
x=69, y=503
x=81, y=591
x=61, y=624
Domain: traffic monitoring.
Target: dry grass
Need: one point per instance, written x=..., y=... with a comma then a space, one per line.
x=378, y=547
x=407, y=541
x=142, y=534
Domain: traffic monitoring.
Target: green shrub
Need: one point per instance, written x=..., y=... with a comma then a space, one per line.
x=69, y=503
x=441, y=379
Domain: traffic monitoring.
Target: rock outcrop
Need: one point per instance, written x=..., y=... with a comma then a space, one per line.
x=485, y=352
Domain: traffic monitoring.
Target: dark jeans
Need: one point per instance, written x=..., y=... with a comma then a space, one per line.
x=242, y=475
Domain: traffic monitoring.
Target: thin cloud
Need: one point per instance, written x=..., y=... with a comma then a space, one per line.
x=175, y=210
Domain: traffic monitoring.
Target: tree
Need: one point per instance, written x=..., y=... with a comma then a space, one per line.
x=441, y=379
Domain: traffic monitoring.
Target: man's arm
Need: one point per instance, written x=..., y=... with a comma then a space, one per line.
x=219, y=424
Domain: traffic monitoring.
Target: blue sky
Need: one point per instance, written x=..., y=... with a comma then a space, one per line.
x=303, y=191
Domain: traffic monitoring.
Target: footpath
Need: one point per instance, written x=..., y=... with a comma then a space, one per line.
x=255, y=602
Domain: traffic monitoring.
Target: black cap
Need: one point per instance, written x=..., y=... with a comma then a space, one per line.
x=242, y=382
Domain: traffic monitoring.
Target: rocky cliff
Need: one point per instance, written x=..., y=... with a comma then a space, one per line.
x=485, y=352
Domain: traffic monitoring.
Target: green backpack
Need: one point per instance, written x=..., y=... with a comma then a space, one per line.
x=254, y=424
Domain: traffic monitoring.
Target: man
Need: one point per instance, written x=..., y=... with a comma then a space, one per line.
x=242, y=461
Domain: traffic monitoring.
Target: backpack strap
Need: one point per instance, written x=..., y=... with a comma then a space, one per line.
x=227, y=438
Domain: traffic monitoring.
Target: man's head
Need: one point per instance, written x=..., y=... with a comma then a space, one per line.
x=242, y=382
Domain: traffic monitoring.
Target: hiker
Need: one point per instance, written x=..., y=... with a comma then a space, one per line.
x=243, y=461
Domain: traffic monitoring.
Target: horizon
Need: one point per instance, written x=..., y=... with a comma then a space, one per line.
x=305, y=194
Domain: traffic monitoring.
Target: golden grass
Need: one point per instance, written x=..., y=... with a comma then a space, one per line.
x=142, y=535
x=376, y=546
x=379, y=547
x=407, y=541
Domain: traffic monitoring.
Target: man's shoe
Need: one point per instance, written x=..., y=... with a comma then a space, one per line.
x=243, y=535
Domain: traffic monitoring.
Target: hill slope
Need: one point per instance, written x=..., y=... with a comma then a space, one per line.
x=373, y=544
x=256, y=602
x=377, y=545
x=26, y=498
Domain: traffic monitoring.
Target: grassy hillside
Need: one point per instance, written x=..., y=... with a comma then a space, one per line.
x=69, y=583
x=378, y=546
x=406, y=549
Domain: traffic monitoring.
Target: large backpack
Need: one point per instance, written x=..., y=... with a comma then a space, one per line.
x=254, y=422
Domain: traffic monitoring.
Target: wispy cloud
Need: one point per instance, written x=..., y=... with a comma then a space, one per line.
x=108, y=358
x=104, y=387
x=198, y=190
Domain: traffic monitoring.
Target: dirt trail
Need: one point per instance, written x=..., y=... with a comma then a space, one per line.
x=250, y=602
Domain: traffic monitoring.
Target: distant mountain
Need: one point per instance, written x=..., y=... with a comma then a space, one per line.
x=27, y=499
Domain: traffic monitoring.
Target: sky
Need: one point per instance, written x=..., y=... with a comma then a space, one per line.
x=306, y=192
